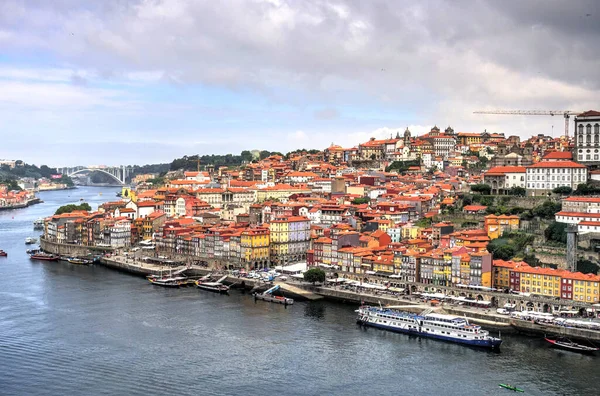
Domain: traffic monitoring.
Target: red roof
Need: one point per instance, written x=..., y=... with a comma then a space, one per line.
x=557, y=164
x=506, y=169
x=558, y=155
x=582, y=199
x=474, y=207
x=589, y=113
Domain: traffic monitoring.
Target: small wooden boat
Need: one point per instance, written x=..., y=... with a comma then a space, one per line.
x=166, y=282
x=3, y=253
x=566, y=344
x=79, y=261
x=43, y=257
x=216, y=287
x=510, y=387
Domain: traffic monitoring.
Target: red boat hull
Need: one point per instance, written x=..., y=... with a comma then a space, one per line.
x=42, y=258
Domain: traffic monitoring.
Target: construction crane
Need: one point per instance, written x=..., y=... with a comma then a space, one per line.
x=565, y=113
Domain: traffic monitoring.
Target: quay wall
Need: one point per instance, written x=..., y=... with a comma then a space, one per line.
x=22, y=205
x=530, y=328
x=65, y=249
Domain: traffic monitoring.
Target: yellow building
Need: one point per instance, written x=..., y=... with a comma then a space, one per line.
x=543, y=281
x=255, y=243
x=585, y=287
x=410, y=231
x=128, y=194
x=495, y=226
x=280, y=192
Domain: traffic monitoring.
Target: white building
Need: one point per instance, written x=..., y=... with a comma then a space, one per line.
x=544, y=176
x=120, y=234
x=503, y=178
x=575, y=217
x=587, y=137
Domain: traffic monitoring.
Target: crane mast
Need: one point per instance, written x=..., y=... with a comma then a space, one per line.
x=565, y=113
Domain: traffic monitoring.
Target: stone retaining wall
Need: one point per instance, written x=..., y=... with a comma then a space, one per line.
x=65, y=249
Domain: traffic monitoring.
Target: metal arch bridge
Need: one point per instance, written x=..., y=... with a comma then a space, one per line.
x=118, y=173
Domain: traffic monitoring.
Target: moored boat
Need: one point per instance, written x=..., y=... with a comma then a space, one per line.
x=3, y=253
x=43, y=256
x=79, y=261
x=427, y=324
x=268, y=296
x=30, y=241
x=566, y=344
x=38, y=224
x=167, y=281
x=511, y=387
x=216, y=287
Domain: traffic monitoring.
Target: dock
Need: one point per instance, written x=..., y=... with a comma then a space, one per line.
x=298, y=292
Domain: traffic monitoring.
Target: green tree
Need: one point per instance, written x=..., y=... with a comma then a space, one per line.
x=564, y=190
x=587, y=267
x=246, y=156
x=504, y=252
x=72, y=207
x=264, y=154
x=360, y=201
x=314, y=275
x=547, y=210
x=556, y=232
x=517, y=191
x=402, y=166
x=66, y=180
x=481, y=188
x=586, y=189
x=424, y=222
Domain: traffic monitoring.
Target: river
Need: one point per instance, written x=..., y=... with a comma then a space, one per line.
x=86, y=330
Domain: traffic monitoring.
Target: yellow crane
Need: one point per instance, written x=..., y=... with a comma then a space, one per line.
x=565, y=113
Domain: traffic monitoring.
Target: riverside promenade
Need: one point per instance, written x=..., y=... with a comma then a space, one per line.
x=307, y=291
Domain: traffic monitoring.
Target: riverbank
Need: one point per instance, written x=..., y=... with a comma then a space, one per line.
x=22, y=205
x=300, y=290
x=306, y=291
x=45, y=189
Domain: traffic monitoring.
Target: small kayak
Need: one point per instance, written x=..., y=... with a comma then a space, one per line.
x=510, y=387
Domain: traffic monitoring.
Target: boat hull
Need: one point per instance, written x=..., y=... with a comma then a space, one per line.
x=214, y=289
x=273, y=299
x=165, y=284
x=577, y=349
x=40, y=258
x=488, y=344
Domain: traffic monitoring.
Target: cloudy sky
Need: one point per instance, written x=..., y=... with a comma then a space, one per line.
x=145, y=81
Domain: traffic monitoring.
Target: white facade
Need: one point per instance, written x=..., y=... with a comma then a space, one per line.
x=576, y=217
x=180, y=207
x=543, y=178
x=515, y=179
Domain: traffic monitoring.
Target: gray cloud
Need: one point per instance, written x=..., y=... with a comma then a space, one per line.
x=327, y=114
x=440, y=60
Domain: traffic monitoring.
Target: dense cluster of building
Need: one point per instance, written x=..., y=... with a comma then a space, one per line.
x=340, y=208
x=10, y=199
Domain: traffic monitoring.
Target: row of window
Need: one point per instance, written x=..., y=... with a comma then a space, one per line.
x=559, y=170
x=547, y=185
x=588, y=128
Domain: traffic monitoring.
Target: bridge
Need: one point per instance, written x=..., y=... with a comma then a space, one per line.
x=118, y=173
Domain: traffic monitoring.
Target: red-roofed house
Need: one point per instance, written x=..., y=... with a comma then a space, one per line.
x=503, y=178
x=544, y=176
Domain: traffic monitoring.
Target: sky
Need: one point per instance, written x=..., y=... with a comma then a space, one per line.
x=146, y=81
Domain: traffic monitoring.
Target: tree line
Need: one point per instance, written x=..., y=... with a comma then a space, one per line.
x=190, y=162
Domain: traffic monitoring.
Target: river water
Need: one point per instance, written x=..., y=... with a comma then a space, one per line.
x=86, y=330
